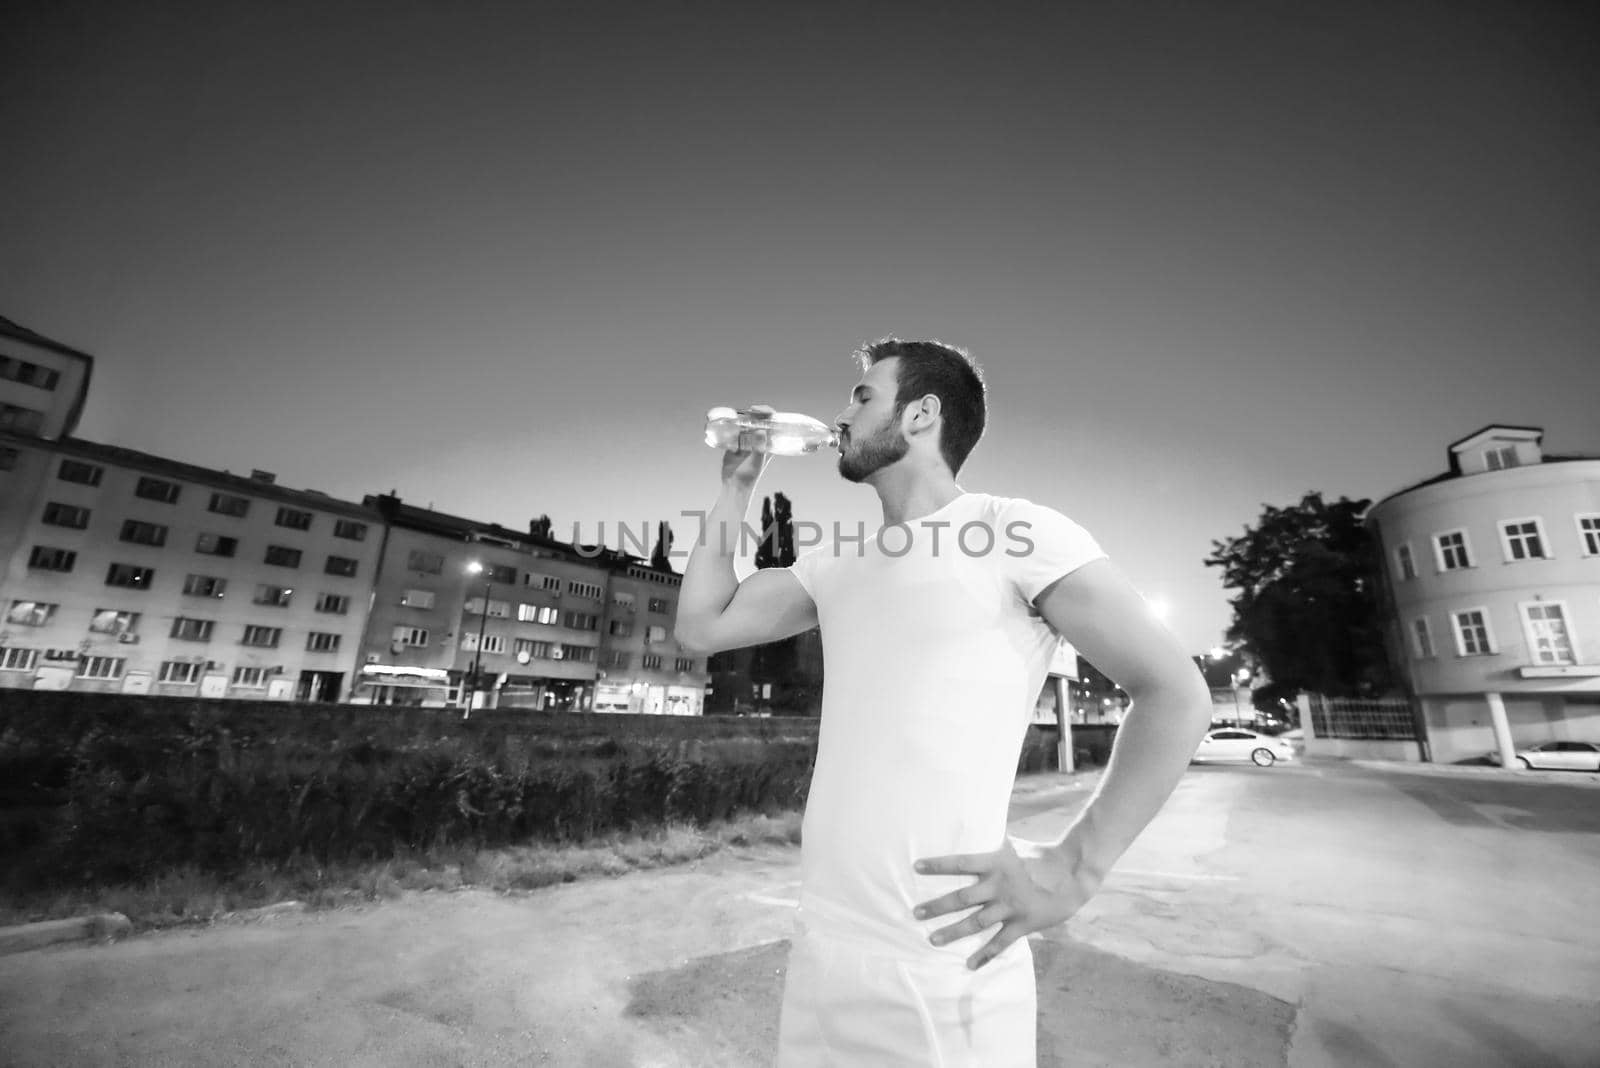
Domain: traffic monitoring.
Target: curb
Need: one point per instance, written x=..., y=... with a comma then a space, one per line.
x=1583, y=779
x=28, y=936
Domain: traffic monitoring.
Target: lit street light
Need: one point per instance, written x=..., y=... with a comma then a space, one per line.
x=483, y=619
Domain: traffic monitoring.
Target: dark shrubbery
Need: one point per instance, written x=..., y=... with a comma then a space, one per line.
x=105, y=789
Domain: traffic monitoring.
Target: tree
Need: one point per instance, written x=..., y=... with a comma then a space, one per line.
x=1308, y=607
x=661, y=555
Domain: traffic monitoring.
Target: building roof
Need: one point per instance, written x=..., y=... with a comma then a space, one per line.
x=160, y=465
x=22, y=333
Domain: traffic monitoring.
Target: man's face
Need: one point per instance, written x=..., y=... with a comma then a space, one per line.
x=869, y=432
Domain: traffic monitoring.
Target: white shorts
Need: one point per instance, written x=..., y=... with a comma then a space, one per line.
x=845, y=1006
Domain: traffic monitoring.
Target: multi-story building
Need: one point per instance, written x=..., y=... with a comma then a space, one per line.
x=136, y=574
x=126, y=572
x=465, y=611
x=642, y=669
x=1493, y=575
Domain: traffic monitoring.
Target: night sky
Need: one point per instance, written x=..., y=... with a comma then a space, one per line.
x=500, y=258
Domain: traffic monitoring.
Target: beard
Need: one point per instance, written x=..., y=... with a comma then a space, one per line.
x=862, y=458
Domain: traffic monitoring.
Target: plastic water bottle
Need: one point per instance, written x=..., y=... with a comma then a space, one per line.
x=777, y=433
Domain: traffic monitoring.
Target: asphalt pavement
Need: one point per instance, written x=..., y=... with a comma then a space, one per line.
x=1298, y=915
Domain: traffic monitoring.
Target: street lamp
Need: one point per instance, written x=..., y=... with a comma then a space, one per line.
x=477, y=568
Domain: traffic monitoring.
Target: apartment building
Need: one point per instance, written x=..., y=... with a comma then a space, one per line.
x=1493, y=579
x=476, y=614
x=132, y=573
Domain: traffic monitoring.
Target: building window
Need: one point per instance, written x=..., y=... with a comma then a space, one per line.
x=333, y=603
x=650, y=660
x=272, y=596
x=265, y=637
x=65, y=515
x=141, y=533
x=181, y=672
x=282, y=556
x=620, y=628
x=505, y=576
x=415, y=637
x=293, y=518
x=1549, y=640
x=251, y=677
x=494, y=643
x=1589, y=533
x=580, y=621
x=543, y=582
x=531, y=649
x=129, y=576
x=113, y=621
x=684, y=663
x=622, y=602
x=350, y=530
x=192, y=630
x=660, y=605
x=655, y=633
x=618, y=659
x=426, y=562
x=157, y=489
x=539, y=613
x=1450, y=550
x=1523, y=539
x=80, y=472
x=105, y=668
x=49, y=558
x=21, y=419
x=1406, y=563
x=579, y=654
x=497, y=609
x=204, y=586
x=343, y=566
x=15, y=659
x=416, y=599
x=30, y=613
x=27, y=373
x=9, y=457
x=1499, y=457
x=216, y=545
x=228, y=504
x=322, y=642
x=1421, y=638
x=1472, y=633
x=584, y=589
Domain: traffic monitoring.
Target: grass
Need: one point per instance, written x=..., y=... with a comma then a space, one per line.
x=190, y=896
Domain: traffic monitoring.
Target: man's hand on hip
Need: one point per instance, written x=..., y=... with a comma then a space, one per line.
x=1022, y=887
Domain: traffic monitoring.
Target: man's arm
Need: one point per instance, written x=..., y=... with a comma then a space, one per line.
x=1110, y=624
x=715, y=610
x=1032, y=886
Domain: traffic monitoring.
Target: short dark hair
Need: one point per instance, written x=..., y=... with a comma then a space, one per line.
x=948, y=373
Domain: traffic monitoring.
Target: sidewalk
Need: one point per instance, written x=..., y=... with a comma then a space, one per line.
x=1483, y=772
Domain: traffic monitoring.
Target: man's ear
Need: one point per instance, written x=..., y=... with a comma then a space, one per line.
x=923, y=413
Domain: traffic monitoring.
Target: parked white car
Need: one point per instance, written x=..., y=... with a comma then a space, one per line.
x=1561, y=756
x=1237, y=745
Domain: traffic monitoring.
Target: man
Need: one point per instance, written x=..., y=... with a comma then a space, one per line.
x=937, y=634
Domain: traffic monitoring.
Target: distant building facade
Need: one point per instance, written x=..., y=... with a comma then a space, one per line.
x=130, y=573
x=135, y=574
x=1493, y=578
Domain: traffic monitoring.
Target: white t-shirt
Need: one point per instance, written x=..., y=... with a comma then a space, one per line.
x=933, y=659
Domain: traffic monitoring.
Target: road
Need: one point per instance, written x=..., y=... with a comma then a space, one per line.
x=1305, y=916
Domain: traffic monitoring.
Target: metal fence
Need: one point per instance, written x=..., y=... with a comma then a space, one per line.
x=1366, y=718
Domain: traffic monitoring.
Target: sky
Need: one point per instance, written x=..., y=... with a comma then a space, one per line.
x=500, y=258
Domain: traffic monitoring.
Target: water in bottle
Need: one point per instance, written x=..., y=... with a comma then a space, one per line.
x=777, y=433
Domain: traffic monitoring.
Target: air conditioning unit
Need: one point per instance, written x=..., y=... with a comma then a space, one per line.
x=373, y=658
x=128, y=639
